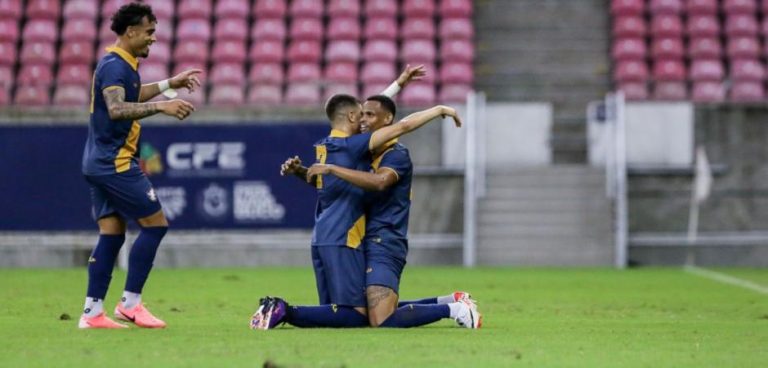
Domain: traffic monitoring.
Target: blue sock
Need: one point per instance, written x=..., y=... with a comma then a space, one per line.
x=414, y=315
x=325, y=316
x=419, y=301
x=142, y=256
x=101, y=263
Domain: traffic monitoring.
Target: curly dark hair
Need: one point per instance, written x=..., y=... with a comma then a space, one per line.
x=386, y=103
x=131, y=15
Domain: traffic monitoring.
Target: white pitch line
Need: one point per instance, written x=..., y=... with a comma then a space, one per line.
x=726, y=279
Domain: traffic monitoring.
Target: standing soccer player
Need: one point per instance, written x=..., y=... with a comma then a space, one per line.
x=119, y=190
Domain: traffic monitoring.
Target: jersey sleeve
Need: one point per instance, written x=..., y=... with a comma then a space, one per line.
x=398, y=161
x=112, y=75
x=358, y=144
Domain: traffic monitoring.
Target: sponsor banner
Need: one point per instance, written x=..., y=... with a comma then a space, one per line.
x=205, y=176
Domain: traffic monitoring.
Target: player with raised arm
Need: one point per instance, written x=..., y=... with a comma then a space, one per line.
x=119, y=190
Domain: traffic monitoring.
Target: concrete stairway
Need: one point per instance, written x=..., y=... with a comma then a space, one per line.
x=555, y=215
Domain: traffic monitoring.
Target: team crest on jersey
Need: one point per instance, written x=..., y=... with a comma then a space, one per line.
x=151, y=195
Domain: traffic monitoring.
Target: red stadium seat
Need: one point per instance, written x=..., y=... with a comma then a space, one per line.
x=634, y=91
x=378, y=72
x=708, y=7
x=196, y=98
x=747, y=70
x=344, y=28
x=454, y=93
x=34, y=75
x=106, y=33
x=629, y=26
x=741, y=25
x=631, y=71
x=627, y=7
x=457, y=50
x=231, y=30
x=302, y=94
x=670, y=91
x=40, y=30
x=265, y=95
x=6, y=76
x=419, y=8
x=748, y=92
x=227, y=95
x=76, y=52
x=110, y=7
x=9, y=30
x=194, y=9
x=705, y=48
x=341, y=72
x=306, y=8
x=191, y=51
x=417, y=51
x=229, y=51
x=343, y=8
x=456, y=73
x=417, y=28
x=43, y=9
x=629, y=49
x=457, y=28
x=340, y=88
x=665, y=25
x=304, y=51
x=380, y=50
x=159, y=52
x=163, y=31
x=342, y=51
x=232, y=9
x=32, y=96
x=268, y=29
x=81, y=9
x=227, y=74
x=740, y=6
x=10, y=9
x=193, y=30
x=418, y=95
x=666, y=6
x=381, y=28
x=455, y=8
x=669, y=70
x=743, y=47
x=164, y=10
x=266, y=73
x=667, y=48
x=79, y=30
x=72, y=95
x=374, y=89
x=269, y=9
x=380, y=8
x=37, y=53
x=267, y=51
x=307, y=29
x=707, y=70
x=703, y=26
x=7, y=53
x=153, y=72
x=708, y=92
x=5, y=97
x=303, y=72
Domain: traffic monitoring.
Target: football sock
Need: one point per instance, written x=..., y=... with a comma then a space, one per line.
x=101, y=263
x=93, y=306
x=130, y=299
x=142, y=256
x=455, y=308
x=417, y=315
x=325, y=316
x=447, y=299
x=419, y=301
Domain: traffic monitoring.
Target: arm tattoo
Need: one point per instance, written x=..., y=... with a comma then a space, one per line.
x=377, y=294
x=121, y=110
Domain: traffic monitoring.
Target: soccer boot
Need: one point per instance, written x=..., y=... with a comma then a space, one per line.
x=139, y=315
x=270, y=314
x=468, y=316
x=98, y=321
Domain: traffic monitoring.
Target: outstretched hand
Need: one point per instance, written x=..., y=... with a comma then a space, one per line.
x=187, y=79
x=411, y=74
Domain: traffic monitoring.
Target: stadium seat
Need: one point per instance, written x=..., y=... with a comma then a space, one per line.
x=418, y=95
x=455, y=8
x=747, y=70
x=227, y=74
x=37, y=53
x=707, y=70
x=384, y=28
x=457, y=50
x=106, y=33
x=456, y=73
x=344, y=28
x=458, y=28
x=307, y=29
x=740, y=6
x=193, y=30
x=337, y=88
x=78, y=30
x=72, y=95
x=268, y=29
x=343, y=8
x=665, y=25
x=743, y=47
x=231, y=30
x=7, y=53
x=34, y=75
x=379, y=72
x=306, y=8
x=708, y=92
x=81, y=9
x=631, y=71
x=670, y=91
x=32, y=96
x=43, y=9
x=265, y=95
x=343, y=51
x=304, y=51
x=266, y=73
x=705, y=48
x=232, y=9
x=269, y=9
x=629, y=49
x=153, y=72
x=194, y=9
x=196, y=98
x=417, y=28
x=374, y=89
x=76, y=52
x=159, y=52
x=629, y=26
x=634, y=91
x=666, y=6
x=669, y=70
x=627, y=7
x=10, y=9
x=267, y=51
x=302, y=94
x=229, y=52
x=183, y=66
x=417, y=51
x=380, y=8
x=6, y=76
x=667, y=48
x=741, y=25
x=5, y=98
x=433, y=73
x=303, y=72
x=703, y=26
x=9, y=30
x=191, y=51
x=227, y=95
x=42, y=30
x=419, y=8
x=747, y=92
x=163, y=31
x=109, y=8
x=341, y=72
x=454, y=93
x=708, y=7
x=164, y=10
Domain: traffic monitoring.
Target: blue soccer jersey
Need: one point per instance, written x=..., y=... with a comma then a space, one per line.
x=388, y=210
x=111, y=145
x=339, y=214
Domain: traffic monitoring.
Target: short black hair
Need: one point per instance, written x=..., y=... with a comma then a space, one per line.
x=338, y=102
x=386, y=103
x=131, y=15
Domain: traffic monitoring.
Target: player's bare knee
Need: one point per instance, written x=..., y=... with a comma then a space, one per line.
x=111, y=225
x=156, y=219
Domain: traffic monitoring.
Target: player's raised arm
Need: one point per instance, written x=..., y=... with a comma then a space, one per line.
x=382, y=179
x=409, y=124
x=119, y=109
x=407, y=76
x=187, y=79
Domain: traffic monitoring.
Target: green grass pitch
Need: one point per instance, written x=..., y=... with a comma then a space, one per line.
x=532, y=317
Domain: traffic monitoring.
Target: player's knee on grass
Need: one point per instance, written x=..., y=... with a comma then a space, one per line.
x=382, y=302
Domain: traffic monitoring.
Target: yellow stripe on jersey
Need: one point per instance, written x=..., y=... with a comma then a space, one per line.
x=93, y=90
x=321, y=153
x=123, y=159
x=125, y=55
x=377, y=162
x=356, y=233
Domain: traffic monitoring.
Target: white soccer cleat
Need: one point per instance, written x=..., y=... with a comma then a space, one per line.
x=463, y=295
x=468, y=316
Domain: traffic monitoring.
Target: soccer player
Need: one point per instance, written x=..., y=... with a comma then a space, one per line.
x=119, y=190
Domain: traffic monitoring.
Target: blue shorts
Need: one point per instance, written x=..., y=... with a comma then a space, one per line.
x=128, y=194
x=340, y=275
x=385, y=259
